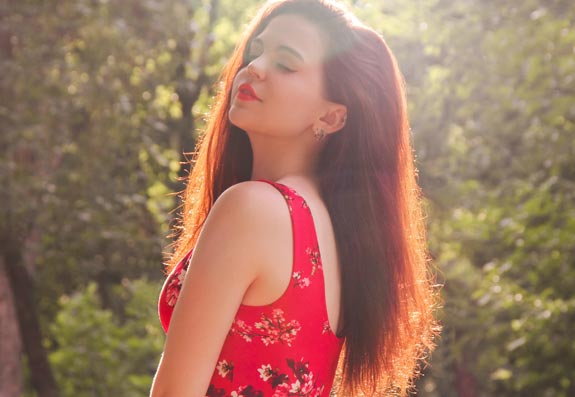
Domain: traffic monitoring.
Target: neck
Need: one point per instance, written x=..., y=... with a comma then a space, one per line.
x=275, y=158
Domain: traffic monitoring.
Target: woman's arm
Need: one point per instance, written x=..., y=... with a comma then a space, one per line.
x=225, y=261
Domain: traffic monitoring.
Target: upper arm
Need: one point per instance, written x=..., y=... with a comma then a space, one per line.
x=225, y=261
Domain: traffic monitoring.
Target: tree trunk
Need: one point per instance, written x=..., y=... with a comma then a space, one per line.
x=22, y=284
x=10, y=343
x=465, y=383
x=189, y=93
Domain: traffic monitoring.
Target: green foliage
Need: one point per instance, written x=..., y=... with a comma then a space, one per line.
x=97, y=354
x=89, y=120
x=493, y=121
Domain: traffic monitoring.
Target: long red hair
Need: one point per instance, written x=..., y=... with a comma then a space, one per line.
x=368, y=181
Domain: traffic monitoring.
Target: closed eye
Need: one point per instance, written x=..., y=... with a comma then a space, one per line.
x=284, y=68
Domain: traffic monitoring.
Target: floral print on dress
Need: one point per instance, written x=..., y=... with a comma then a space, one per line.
x=289, y=200
x=305, y=206
x=314, y=258
x=301, y=281
x=326, y=327
x=243, y=391
x=226, y=370
x=270, y=329
x=272, y=376
x=175, y=284
x=302, y=383
x=247, y=391
x=215, y=392
x=272, y=367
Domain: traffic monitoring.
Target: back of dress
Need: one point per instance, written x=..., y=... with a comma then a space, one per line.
x=286, y=348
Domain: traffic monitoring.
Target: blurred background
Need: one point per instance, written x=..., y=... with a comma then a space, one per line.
x=101, y=99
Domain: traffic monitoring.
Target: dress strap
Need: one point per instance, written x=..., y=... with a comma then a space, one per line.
x=307, y=270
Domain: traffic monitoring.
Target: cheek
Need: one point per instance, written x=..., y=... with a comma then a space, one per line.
x=298, y=101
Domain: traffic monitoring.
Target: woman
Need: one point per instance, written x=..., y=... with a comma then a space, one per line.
x=260, y=300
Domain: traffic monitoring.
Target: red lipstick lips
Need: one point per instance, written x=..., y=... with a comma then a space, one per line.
x=247, y=93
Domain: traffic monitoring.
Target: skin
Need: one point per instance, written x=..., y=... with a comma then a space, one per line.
x=244, y=251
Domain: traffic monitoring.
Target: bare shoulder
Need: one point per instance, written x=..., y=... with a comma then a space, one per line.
x=251, y=201
x=229, y=257
x=251, y=213
x=253, y=190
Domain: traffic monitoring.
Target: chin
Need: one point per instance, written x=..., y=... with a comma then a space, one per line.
x=238, y=119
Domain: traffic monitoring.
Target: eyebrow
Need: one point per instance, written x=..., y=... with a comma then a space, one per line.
x=281, y=47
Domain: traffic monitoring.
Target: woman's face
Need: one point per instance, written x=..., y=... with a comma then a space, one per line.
x=280, y=91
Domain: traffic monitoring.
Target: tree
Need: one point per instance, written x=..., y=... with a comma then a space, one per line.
x=101, y=101
x=493, y=121
x=89, y=97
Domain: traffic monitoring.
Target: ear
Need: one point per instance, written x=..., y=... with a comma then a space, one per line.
x=333, y=118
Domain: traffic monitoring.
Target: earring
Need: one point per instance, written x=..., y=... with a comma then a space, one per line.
x=318, y=133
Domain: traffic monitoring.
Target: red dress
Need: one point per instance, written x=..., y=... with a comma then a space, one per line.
x=285, y=348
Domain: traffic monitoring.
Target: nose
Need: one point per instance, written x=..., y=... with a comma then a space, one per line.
x=256, y=70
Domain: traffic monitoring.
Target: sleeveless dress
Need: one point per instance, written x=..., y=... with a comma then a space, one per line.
x=285, y=348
